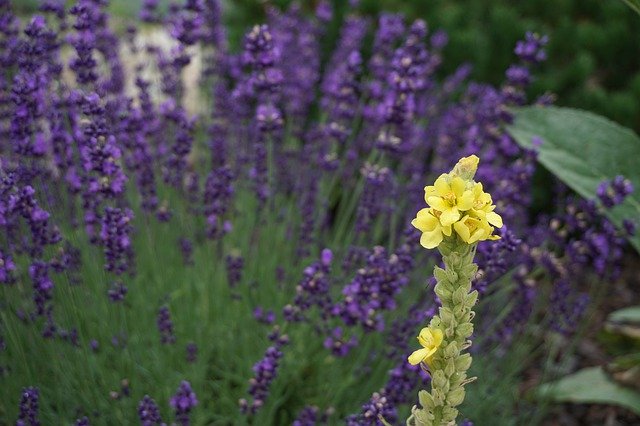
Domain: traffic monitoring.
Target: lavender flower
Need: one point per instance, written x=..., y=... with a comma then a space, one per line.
x=115, y=235
x=612, y=193
x=373, y=289
x=531, y=49
x=378, y=190
x=165, y=326
x=7, y=267
x=235, y=264
x=83, y=421
x=148, y=412
x=182, y=402
x=149, y=11
x=265, y=372
x=218, y=192
x=312, y=290
x=29, y=407
x=192, y=352
x=337, y=344
x=117, y=292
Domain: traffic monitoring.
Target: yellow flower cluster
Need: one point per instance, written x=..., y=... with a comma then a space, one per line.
x=457, y=203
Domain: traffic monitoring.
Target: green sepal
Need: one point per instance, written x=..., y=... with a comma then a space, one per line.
x=456, y=396
x=464, y=330
x=426, y=400
x=463, y=362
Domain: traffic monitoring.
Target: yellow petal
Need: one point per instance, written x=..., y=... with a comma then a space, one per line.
x=446, y=230
x=458, y=185
x=437, y=203
x=450, y=216
x=462, y=230
x=417, y=356
x=494, y=219
x=465, y=202
x=438, y=336
x=425, y=337
x=431, y=239
x=441, y=185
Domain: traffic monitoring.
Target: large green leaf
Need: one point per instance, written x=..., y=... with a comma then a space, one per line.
x=582, y=149
x=633, y=4
x=591, y=385
x=630, y=314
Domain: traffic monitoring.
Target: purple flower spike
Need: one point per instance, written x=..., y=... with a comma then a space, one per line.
x=183, y=402
x=29, y=407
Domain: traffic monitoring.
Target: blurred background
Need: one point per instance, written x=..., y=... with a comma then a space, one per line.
x=594, y=49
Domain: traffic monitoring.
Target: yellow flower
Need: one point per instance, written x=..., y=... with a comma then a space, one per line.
x=483, y=206
x=430, y=339
x=474, y=229
x=449, y=196
x=432, y=230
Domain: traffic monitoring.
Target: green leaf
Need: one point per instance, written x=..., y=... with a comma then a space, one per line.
x=591, y=385
x=633, y=4
x=630, y=314
x=582, y=149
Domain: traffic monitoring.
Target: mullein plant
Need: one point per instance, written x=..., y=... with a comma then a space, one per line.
x=460, y=215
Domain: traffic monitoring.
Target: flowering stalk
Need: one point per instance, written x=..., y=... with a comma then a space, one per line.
x=459, y=204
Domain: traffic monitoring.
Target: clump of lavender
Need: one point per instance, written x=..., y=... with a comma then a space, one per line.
x=372, y=291
x=183, y=402
x=312, y=290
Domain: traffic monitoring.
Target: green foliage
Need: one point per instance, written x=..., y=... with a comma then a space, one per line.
x=617, y=383
x=583, y=149
x=591, y=385
x=630, y=314
x=633, y=4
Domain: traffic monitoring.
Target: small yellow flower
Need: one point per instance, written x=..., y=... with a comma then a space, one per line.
x=430, y=339
x=474, y=229
x=432, y=230
x=483, y=206
x=449, y=195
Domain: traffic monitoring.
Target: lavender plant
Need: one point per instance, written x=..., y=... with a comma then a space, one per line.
x=249, y=258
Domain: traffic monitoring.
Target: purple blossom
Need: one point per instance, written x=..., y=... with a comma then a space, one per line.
x=182, y=402
x=218, y=192
x=115, y=235
x=373, y=289
x=165, y=326
x=29, y=406
x=612, y=193
x=149, y=11
x=312, y=290
x=265, y=372
x=375, y=198
x=337, y=344
x=235, y=264
x=117, y=292
x=148, y=412
x=192, y=352
x=7, y=267
x=83, y=421
x=531, y=49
